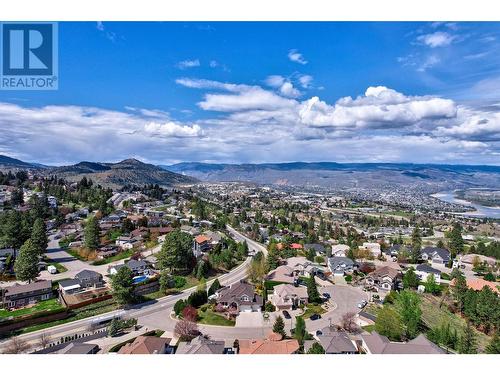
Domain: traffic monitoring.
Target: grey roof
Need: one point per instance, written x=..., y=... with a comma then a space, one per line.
x=201, y=345
x=378, y=344
x=7, y=251
x=335, y=262
x=234, y=292
x=26, y=288
x=336, y=342
x=70, y=282
x=79, y=348
x=88, y=274
x=424, y=267
x=136, y=264
x=443, y=253
x=316, y=246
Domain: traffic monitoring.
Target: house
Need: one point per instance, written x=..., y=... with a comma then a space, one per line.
x=239, y=297
x=333, y=342
x=372, y=247
x=287, y=296
x=341, y=265
x=375, y=343
x=136, y=266
x=201, y=345
x=84, y=279
x=435, y=255
x=340, y=250
x=383, y=278
x=127, y=242
x=201, y=244
x=79, y=348
x=274, y=344
x=479, y=284
x=147, y=345
x=394, y=250
x=18, y=295
x=318, y=248
x=424, y=270
x=296, y=246
x=282, y=274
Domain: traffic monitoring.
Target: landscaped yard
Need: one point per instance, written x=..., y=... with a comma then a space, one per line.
x=49, y=305
x=313, y=309
x=212, y=318
x=123, y=255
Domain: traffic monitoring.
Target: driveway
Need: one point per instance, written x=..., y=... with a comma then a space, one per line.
x=344, y=299
x=249, y=319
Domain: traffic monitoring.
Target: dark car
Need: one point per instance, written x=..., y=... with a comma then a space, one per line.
x=286, y=314
x=315, y=317
x=326, y=295
x=318, y=333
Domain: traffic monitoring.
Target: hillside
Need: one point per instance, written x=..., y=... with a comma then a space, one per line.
x=349, y=175
x=129, y=171
x=8, y=163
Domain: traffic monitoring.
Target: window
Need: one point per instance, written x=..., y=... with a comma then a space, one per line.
x=45, y=297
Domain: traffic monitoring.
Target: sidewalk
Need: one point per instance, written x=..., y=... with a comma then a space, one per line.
x=106, y=343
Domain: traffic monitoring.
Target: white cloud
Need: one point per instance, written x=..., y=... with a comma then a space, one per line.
x=295, y=56
x=186, y=64
x=172, y=129
x=305, y=81
x=275, y=81
x=289, y=91
x=100, y=26
x=436, y=39
x=429, y=62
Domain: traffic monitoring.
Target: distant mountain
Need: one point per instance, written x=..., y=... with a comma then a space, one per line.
x=129, y=171
x=346, y=175
x=11, y=163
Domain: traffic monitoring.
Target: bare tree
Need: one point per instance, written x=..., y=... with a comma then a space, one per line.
x=44, y=340
x=349, y=322
x=186, y=330
x=16, y=346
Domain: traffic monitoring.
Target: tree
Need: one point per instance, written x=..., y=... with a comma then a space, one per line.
x=468, y=341
x=493, y=346
x=316, y=348
x=214, y=287
x=166, y=281
x=408, y=307
x=456, y=243
x=26, y=264
x=431, y=286
x=186, y=330
x=179, y=306
x=459, y=290
x=44, y=340
x=416, y=244
x=197, y=298
x=91, y=234
x=123, y=286
x=190, y=313
x=349, y=322
x=410, y=279
x=310, y=254
x=17, y=346
x=39, y=236
x=279, y=326
x=176, y=252
x=312, y=290
x=389, y=323
x=300, y=329
x=489, y=277
x=257, y=268
x=114, y=327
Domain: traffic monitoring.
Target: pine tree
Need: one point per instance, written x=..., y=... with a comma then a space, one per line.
x=416, y=244
x=39, y=236
x=456, y=243
x=493, y=346
x=468, y=342
x=312, y=291
x=26, y=264
x=279, y=326
x=316, y=348
x=123, y=286
x=300, y=329
x=92, y=233
x=176, y=252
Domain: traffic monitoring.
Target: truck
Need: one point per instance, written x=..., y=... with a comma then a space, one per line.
x=52, y=269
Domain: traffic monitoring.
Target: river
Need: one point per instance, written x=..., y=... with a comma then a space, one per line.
x=481, y=211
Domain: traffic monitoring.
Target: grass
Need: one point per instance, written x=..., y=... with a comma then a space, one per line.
x=211, y=318
x=370, y=328
x=48, y=305
x=312, y=309
x=123, y=255
x=75, y=254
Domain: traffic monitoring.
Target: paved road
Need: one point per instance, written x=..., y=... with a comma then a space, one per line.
x=163, y=306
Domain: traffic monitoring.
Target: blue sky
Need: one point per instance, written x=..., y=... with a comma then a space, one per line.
x=264, y=92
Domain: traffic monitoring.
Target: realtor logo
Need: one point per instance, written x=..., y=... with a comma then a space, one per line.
x=28, y=56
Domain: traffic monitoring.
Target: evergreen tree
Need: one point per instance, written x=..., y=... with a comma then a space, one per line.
x=389, y=323
x=26, y=264
x=410, y=279
x=312, y=291
x=123, y=286
x=493, y=346
x=408, y=306
x=300, y=329
x=279, y=326
x=468, y=341
x=316, y=348
x=176, y=252
x=310, y=254
x=459, y=290
x=416, y=244
x=39, y=236
x=214, y=287
x=91, y=234
x=456, y=243
x=114, y=327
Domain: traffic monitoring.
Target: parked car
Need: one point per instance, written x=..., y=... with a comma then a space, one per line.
x=315, y=317
x=326, y=295
x=318, y=333
x=362, y=304
x=287, y=315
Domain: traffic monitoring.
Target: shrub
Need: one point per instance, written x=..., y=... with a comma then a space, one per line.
x=348, y=278
x=269, y=307
x=190, y=313
x=179, y=306
x=197, y=298
x=179, y=281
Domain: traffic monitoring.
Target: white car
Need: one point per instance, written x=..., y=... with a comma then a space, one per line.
x=362, y=304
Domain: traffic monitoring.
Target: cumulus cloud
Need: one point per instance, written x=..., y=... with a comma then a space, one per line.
x=436, y=39
x=186, y=64
x=172, y=129
x=305, y=81
x=295, y=56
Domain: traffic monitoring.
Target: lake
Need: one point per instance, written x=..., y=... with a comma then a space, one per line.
x=481, y=211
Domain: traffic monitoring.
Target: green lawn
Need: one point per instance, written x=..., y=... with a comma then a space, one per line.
x=313, y=309
x=211, y=318
x=49, y=305
x=123, y=255
x=370, y=328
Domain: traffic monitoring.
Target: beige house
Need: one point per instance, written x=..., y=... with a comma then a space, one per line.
x=288, y=296
x=283, y=274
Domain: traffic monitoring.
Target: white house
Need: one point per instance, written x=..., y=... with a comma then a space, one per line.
x=340, y=250
x=424, y=270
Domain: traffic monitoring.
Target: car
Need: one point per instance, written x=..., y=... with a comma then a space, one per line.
x=315, y=317
x=362, y=304
x=326, y=295
x=287, y=315
x=318, y=333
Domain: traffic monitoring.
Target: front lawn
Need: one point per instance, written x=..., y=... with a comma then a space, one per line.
x=312, y=309
x=123, y=255
x=212, y=318
x=48, y=305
